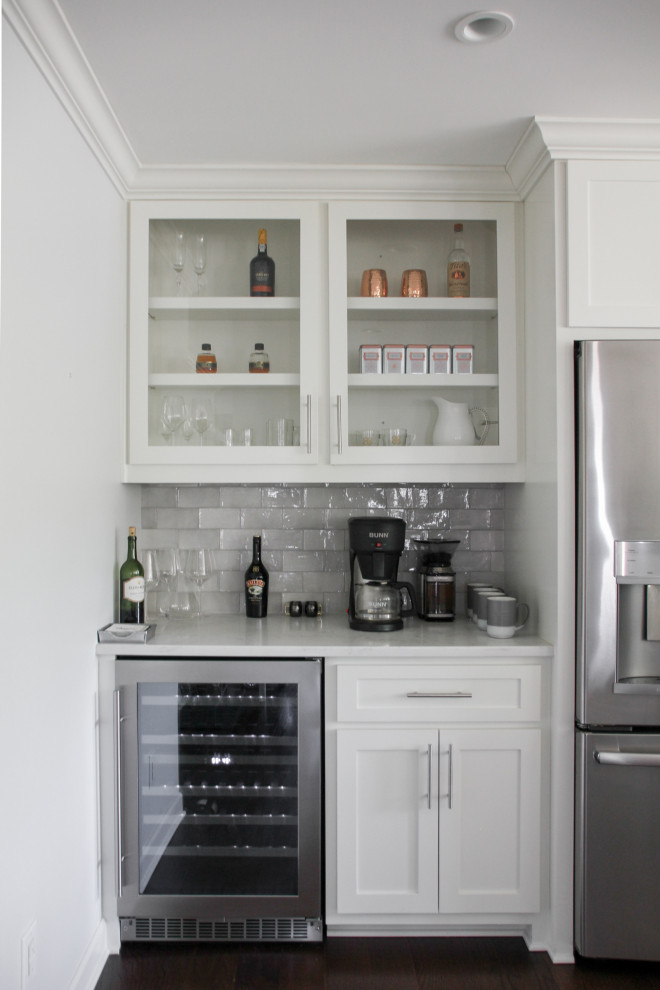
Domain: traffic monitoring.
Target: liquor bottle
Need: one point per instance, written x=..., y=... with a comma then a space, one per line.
x=206, y=363
x=256, y=584
x=262, y=270
x=259, y=363
x=131, y=584
x=458, y=267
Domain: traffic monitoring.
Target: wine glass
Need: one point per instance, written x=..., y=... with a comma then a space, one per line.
x=151, y=577
x=178, y=257
x=168, y=568
x=187, y=428
x=173, y=413
x=199, y=259
x=201, y=418
x=199, y=569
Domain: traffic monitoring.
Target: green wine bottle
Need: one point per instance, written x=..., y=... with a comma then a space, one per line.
x=131, y=584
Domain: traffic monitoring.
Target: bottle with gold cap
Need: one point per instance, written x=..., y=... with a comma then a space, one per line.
x=131, y=584
x=262, y=270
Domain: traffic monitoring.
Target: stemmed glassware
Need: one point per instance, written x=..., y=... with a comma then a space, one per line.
x=178, y=257
x=168, y=568
x=172, y=414
x=151, y=578
x=201, y=417
x=199, y=568
x=199, y=259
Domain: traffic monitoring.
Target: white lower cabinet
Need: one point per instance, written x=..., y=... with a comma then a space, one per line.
x=433, y=819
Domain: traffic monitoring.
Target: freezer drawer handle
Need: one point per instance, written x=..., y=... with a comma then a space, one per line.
x=629, y=759
x=439, y=694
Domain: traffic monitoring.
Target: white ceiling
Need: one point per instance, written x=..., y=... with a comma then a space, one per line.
x=359, y=82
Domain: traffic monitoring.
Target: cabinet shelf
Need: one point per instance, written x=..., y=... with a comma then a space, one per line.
x=426, y=308
x=238, y=380
x=422, y=381
x=224, y=307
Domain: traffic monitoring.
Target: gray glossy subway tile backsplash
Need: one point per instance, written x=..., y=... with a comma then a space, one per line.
x=304, y=533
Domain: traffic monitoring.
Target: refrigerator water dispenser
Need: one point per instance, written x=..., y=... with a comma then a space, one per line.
x=637, y=573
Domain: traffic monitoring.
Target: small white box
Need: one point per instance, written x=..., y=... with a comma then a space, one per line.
x=463, y=359
x=440, y=359
x=394, y=359
x=417, y=359
x=371, y=359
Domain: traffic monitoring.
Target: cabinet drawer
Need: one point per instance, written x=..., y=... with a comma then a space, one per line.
x=452, y=693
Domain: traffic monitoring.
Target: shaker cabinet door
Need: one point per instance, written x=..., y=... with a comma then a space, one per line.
x=490, y=820
x=613, y=244
x=387, y=821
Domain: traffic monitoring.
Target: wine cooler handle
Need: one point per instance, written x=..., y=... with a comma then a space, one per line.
x=451, y=776
x=118, y=797
x=428, y=782
x=309, y=424
x=339, y=438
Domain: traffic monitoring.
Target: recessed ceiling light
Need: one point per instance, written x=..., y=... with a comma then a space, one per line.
x=485, y=25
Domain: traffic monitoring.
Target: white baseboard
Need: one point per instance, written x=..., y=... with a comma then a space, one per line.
x=91, y=965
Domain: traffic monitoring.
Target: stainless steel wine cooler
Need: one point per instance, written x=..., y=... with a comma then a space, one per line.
x=218, y=799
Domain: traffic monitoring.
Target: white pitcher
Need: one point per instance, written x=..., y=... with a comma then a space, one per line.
x=454, y=425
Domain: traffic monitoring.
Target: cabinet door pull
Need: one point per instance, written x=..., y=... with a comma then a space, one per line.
x=119, y=862
x=451, y=776
x=339, y=439
x=428, y=793
x=439, y=694
x=309, y=424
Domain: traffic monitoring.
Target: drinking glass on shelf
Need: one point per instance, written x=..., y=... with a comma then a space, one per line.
x=187, y=428
x=199, y=259
x=200, y=417
x=199, y=568
x=151, y=579
x=178, y=257
x=173, y=413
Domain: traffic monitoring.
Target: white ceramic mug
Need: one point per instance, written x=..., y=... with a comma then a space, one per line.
x=505, y=616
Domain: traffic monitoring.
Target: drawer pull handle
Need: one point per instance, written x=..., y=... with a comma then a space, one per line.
x=439, y=694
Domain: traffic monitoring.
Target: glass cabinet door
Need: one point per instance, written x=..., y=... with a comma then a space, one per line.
x=178, y=416
x=218, y=789
x=418, y=411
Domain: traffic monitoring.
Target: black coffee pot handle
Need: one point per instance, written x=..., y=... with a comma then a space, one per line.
x=405, y=586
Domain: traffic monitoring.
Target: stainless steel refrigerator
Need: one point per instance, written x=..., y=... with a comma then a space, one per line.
x=617, y=739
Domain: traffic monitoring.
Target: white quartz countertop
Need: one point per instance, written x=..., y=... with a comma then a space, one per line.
x=329, y=636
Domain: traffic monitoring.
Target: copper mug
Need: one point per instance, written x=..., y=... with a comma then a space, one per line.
x=374, y=282
x=413, y=283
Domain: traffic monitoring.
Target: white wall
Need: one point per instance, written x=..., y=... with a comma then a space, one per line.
x=64, y=518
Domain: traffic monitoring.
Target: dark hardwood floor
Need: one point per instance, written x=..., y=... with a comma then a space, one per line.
x=365, y=964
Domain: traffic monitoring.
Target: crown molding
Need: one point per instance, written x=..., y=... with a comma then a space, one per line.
x=43, y=30
x=45, y=34
x=549, y=139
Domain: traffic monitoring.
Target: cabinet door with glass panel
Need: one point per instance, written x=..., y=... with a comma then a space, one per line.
x=217, y=371
x=426, y=373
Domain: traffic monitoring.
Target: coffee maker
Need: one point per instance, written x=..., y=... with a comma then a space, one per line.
x=375, y=599
x=436, y=579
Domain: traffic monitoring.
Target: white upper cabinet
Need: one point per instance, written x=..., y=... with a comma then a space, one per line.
x=613, y=244
x=452, y=426
x=173, y=311
x=448, y=418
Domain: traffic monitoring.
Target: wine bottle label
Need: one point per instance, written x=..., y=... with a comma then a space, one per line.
x=133, y=590
x=254, y=588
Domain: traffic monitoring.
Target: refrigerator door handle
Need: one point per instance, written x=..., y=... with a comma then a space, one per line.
x=628, y=759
